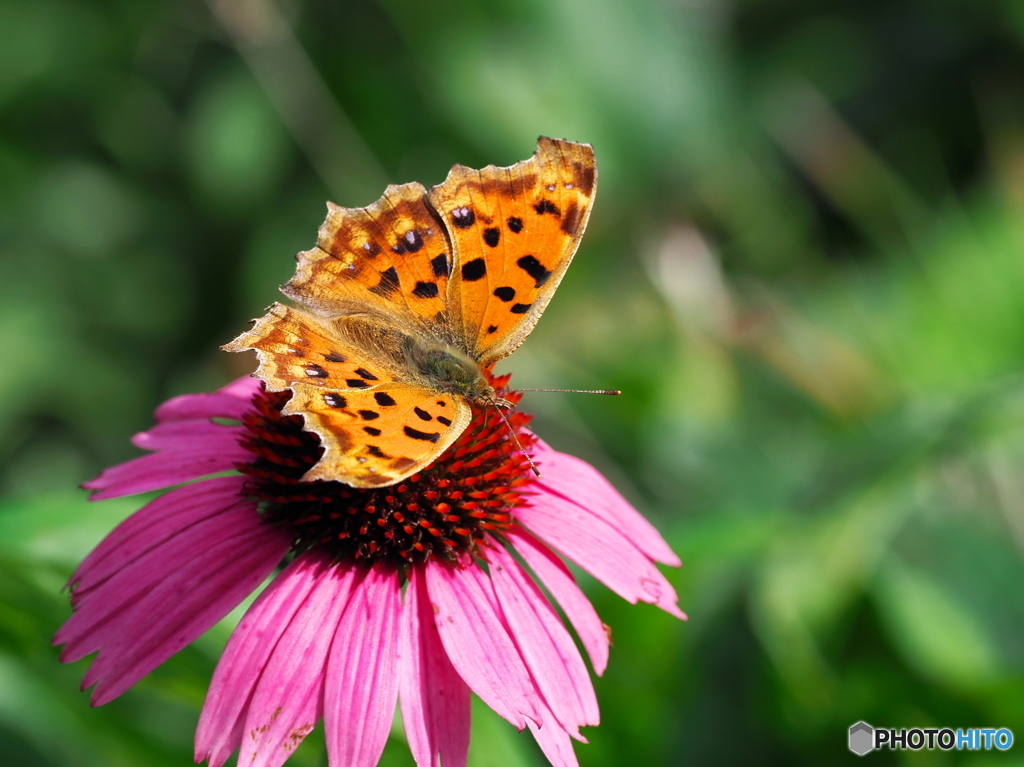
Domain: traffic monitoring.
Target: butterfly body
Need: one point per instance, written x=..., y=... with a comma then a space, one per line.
x=448, y=370
x=404, y=304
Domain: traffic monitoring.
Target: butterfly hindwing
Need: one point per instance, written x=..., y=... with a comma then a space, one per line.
x=514, y=231
x=376, y=425
x=391, y=258
x=378, y=436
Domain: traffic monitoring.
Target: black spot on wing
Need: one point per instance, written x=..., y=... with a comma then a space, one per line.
x=515, y=224
x=369, y=415
x=384, y=399
x=422, y=414
x=535, y=269
x=442, y=403
x=315, y=371
x=546, y=206
x=422, y=435
x=425, y=289
x=335, y=400
x=445, y=421
x=439, y=265
x=364, y=373
x=357, y=383
x=463, y=218
x=474, y=270
x=373, y=450
x=388, y=282
x=505, y=293
x=492, y=236
x=373, y=432
x=334, y=357
x=520, y=308
x=492, y=328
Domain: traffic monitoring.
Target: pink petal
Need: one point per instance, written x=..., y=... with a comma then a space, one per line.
x=100, y=613
x=578, y=482
x=288, y=701
x=189, y=435
x=244, y=388
x=152, y=525
x=554, y=742
x=599, y=549
x=362, y=681
x=204, y=406
x=165, y=469
x=182, y=608
x=476, y=642
x=559, y=581
x=544, y=643
x=253, y=641
x=435, y=700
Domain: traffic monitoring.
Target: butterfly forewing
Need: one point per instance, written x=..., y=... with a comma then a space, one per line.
x=295, y=347
x=391, y=258
x=382, y=435
x=514, y=231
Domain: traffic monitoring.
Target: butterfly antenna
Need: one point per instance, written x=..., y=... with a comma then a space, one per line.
x=613, y=392
x=515, y=437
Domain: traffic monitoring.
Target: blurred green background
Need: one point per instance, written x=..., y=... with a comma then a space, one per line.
x=805, y=268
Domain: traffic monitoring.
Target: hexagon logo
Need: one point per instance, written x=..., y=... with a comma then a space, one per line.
x=862, y=738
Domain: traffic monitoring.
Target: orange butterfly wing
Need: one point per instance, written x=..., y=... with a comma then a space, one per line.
x=379, y=436
x=513, y=231
x=293, y=346
x=392, y=258
x=469, y=266
x=375, y=429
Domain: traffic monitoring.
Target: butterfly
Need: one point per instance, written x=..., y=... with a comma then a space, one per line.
x=402, y=306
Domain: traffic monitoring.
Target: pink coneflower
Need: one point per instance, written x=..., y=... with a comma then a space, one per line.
x=416, y=593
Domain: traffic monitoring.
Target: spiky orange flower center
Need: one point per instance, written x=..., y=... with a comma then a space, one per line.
x=444, y=511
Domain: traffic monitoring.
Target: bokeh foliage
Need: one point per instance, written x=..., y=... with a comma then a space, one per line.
x=805, y=269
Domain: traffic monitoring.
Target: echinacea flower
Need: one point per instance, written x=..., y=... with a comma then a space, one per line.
x=415, y=594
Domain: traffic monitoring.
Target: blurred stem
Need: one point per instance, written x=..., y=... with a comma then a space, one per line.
x=841, y=165
x=333, y=145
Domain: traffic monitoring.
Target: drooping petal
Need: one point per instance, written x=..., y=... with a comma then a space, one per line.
x=476, y=642
x=172, y=467
x=102, y=612
x=600, y=550
x=555, y=742
x=435, y=701
x=288, y=700
x=152, y=525
x=362, y=682
x=544, y=643
x=559, y=581
x=183, y=606
x=578, y=482
x=252, y=643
